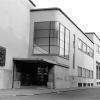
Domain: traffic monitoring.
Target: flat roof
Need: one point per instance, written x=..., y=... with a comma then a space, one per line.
x=55, y=8
x=93, y=33
x=32, y=3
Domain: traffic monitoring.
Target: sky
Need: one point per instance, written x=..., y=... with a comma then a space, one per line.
x=84, y=13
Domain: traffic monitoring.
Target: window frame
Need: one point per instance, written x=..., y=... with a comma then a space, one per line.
x=58, y=37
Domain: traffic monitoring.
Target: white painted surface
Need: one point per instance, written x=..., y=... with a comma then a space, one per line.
x=14, y=30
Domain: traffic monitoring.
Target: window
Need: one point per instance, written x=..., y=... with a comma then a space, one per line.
x=97, y=48
x=84, y=47
x=91, y=74
x=88, y=50
x=80, y=71
x=86, y=73
x=91, y=84
x=46, y=37
x=62, y=40
x=51, y=38
x=79, y=84
x=80, y=44
x=2, y=56
x=83, y=72
x=91, y=52
x=66, y=42
x=84, y=84
x=88, y=84
x=97, y=70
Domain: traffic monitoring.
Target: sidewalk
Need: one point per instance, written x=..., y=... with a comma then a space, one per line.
x=28, y=92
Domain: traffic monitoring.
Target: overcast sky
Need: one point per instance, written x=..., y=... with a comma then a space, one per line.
x=85, y=13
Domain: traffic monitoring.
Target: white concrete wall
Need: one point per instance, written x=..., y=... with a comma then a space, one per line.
x=61, y=77
x=14, y=29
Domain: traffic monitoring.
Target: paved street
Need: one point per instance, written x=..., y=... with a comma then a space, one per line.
x=84, y=94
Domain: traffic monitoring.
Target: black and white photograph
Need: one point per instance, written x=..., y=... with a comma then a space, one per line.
x=49, y=50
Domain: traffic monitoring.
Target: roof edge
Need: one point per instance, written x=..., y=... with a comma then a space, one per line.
x=32, y=3
x=56, y=8
x=94, y=34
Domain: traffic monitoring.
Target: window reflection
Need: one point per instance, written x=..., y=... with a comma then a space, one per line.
x=51, y=38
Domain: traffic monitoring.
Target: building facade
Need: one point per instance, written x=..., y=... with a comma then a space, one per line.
x=45, y=48
x=96, y=41
x=57, y=38
x=14, y=36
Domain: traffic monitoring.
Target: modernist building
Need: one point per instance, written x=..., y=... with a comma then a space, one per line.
x=57, y=38
x=44, y=47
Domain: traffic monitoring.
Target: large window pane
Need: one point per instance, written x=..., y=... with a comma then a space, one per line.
x=42, y=41
x=97, y=48
x=62, y=44
x=41, y=33
x=54, y=50
x=54, y=25
x=54, y=33
x=42, y=25
x=80, y=71
x=91, y=52
x=88, y=50
x=61, y=28
x=79, y=44
x=39, y=50
x=45, y=48
x=83, y=71
x=61, y=32
x=54, y=41
x=61, y=51
x=84, y=47
x=49, y=39
x=66, y=42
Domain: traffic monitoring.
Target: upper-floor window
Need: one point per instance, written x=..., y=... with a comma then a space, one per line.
x=85, y=48
x=51, y=37
x=80, y=45
x=98, y=48
x=2, y=56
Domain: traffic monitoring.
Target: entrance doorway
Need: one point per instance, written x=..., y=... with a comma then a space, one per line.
x=32, y=73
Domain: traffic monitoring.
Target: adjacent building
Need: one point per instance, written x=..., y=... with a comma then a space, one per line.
x=45, y=48
x=96, y=41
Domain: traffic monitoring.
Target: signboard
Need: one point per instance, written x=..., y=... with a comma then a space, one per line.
x=2, y=56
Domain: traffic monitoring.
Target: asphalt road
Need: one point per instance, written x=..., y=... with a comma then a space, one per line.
x=84, y=94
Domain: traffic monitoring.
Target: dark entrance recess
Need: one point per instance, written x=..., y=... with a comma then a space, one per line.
x=32, y=73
